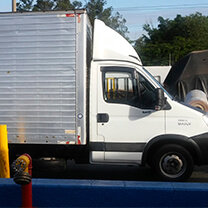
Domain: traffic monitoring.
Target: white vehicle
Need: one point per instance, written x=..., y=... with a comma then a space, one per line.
x=61, y=99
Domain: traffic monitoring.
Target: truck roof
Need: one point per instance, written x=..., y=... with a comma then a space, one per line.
x=110, y=45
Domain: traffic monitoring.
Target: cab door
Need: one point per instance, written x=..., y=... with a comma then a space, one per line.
x=126, y=115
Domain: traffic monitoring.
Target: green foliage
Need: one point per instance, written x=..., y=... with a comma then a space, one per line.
x=47, y=5
x=24, y=5
x=173, y=38
x=43, y=5
x=63, y=5
x=77, y=4
x=96, y=10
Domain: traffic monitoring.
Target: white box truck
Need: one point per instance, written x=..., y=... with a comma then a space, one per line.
x=64, y=94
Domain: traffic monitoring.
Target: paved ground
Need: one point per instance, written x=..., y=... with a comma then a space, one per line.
x=102, y=172
x=200, y=174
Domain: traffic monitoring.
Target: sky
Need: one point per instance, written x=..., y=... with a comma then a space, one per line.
x=139, y=12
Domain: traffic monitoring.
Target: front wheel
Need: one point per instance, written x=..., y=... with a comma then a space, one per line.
x=173, y=163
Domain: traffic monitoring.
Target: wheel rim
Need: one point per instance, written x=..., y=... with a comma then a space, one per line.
x=172, y=165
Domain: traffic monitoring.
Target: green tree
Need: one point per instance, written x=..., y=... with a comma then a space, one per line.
x=96, y=10
x=77, y=4
x=47, y=5
x=63, y=5
x=173, y=38
x=25, y=5
x=43, y=5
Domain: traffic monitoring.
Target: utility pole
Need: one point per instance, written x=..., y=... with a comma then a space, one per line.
x=14, y=8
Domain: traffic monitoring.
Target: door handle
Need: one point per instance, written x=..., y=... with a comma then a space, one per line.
x=102, y=117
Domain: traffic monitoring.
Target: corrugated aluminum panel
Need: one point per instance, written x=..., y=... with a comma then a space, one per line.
x=38, y=77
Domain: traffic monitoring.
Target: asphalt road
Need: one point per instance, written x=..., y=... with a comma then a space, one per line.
x=112, y=172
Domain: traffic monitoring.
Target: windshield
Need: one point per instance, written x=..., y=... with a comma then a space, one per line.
x=158, y=83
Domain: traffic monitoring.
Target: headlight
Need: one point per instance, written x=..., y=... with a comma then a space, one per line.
x=205, y=118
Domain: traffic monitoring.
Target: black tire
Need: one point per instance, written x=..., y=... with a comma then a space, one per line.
x=173, y=163
x=49, y=164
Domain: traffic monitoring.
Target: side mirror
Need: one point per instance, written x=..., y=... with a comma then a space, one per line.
x=160, y=99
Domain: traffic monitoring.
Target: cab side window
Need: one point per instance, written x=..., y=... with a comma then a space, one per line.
x=125, y=86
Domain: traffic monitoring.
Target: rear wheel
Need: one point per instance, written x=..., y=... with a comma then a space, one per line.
x=173, y=163
x=49, y=164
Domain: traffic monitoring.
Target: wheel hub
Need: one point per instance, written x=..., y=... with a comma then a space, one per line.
x=172, y=164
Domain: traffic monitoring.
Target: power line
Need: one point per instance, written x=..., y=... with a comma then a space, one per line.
x=162, y=7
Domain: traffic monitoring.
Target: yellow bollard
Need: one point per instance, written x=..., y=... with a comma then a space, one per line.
x=4, y=153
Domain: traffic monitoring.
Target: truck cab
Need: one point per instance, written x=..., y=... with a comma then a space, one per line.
x=133, y=120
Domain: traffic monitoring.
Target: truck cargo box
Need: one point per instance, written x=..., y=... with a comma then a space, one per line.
x=43, y=76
